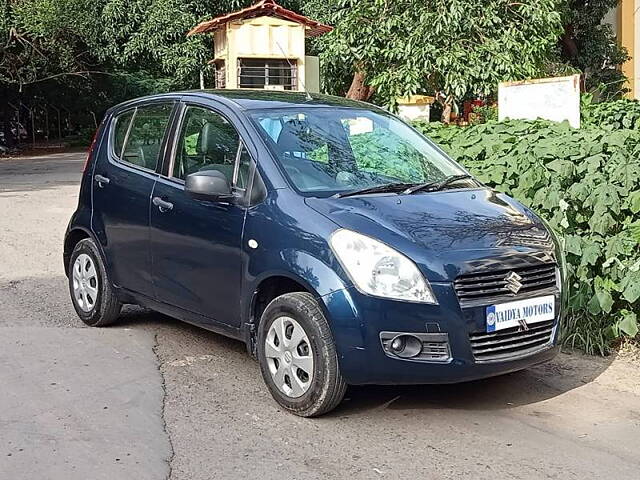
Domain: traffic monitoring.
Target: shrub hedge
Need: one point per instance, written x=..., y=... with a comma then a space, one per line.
x=624, y=113
x=586, y=184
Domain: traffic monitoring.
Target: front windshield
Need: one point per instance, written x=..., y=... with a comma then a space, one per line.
x=332, y=150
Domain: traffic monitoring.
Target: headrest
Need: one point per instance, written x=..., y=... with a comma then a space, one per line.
x=299, y=136
x=206, y=139
x=217, y=138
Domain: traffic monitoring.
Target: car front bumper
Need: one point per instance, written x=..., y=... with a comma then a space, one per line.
x=358, y=320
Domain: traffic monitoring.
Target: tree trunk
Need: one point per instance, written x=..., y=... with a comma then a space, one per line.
x=358, y=89
x=568, y=43
x=446, y=113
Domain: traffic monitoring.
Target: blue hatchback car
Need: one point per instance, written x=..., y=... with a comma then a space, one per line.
x=341, y=245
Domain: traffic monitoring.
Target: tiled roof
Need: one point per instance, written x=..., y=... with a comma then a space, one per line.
x=267, y=8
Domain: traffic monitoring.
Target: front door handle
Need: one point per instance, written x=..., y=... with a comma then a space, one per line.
x=101, y=180
x=162, y=205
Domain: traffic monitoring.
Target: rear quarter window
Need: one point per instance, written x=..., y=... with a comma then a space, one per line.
x=120, y=129
x=138, y=135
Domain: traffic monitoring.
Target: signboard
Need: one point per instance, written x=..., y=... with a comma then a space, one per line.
x=556, y=99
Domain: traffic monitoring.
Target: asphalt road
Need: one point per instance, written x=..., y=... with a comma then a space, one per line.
x=152, y=398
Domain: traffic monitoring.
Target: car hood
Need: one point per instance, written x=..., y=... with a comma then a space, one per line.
x=449, y=232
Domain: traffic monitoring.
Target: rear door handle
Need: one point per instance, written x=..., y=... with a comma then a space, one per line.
x=101, y=180
x=162, y=205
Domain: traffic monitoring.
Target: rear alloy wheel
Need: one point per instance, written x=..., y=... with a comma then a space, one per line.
x=92, y=294
x=298, y=357
x=84, y=278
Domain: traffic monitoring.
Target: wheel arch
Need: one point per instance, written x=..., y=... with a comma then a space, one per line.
x=72, y=238
x=270, y=287
x=267, y=288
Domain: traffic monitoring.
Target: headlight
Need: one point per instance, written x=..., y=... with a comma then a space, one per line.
x=379, y=270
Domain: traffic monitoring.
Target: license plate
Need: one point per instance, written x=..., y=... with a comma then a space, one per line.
x=520, y=313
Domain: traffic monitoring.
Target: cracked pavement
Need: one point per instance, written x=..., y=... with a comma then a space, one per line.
x=153, y=398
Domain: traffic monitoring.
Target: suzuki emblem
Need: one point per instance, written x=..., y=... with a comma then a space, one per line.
x=512, y=282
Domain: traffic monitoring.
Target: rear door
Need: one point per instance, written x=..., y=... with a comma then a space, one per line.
x=123, y=180
x=196, y=244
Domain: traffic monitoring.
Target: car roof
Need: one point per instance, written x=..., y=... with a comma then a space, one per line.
x=264, y=99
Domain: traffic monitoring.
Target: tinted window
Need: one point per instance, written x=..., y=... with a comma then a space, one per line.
x=328, y=150
x=145, y=135
x=207, y=141
x=244, y=168
x=120, y=131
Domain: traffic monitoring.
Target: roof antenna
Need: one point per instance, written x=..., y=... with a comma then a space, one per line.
x=304, y=88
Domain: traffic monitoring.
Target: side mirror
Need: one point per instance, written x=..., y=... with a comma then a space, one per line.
x=208, y=185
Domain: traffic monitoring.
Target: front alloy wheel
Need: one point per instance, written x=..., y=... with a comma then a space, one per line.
x=289, y=355
x=298, y=357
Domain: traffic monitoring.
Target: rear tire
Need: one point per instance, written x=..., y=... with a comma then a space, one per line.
x=91, y=291
x=306, y=344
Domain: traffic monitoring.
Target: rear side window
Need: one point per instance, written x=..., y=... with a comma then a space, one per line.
x=138, y=135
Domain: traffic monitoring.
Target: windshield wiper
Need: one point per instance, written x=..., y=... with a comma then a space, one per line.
x=435, y=186
x=387, y=187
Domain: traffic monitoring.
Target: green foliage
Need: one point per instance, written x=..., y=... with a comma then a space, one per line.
x=483, y=114
x=465, y=48
x=378, y=152
x=41, y=38
x=586, y=184
x=590, y=45
x=624, y=113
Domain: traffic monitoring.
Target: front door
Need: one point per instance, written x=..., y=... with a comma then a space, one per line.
x=196, y=244
x=123, y=180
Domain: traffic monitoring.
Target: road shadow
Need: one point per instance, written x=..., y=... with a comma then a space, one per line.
x=526, y=387
x=133, y=316
x=530, y=386
x=30, y=174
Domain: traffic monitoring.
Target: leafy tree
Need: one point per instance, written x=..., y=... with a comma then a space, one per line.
x=151, y=34
x=86, y=55
x=590, y=45
x=45, y=38
x=452, y=48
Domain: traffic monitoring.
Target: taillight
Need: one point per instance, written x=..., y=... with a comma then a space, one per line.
x=90, y=152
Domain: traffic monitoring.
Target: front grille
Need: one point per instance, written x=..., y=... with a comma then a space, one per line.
x=435, y=351
x=485, y=288
x=511, y=342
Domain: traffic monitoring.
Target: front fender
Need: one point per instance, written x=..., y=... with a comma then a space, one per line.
x=315, y=275
x=291, y=241
x=323, y=282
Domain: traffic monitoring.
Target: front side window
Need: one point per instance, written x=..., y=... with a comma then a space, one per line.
x=138, y=135
x=330, y=150
x=207, y=141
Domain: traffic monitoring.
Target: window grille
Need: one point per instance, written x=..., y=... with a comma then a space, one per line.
x=267, y=74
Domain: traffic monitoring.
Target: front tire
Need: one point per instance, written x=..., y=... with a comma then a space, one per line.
x=92, y=294
x=297, y=356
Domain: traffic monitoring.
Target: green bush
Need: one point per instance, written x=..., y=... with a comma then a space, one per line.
x=616, y=115
x=586, y=184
